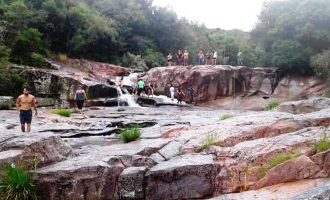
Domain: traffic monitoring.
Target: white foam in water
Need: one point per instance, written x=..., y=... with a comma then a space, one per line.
x=128, y=97
x=130, y=100
x=130, y=79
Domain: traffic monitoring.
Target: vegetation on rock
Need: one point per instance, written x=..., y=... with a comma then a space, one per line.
x=130, y=134
x=211, y=139
x=225, y=116
x=63, y=112
x=281, y=158
x=15, y=183
x=271, y=105
x=322, y=145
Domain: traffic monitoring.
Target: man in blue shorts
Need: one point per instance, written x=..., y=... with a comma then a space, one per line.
x=24, y=104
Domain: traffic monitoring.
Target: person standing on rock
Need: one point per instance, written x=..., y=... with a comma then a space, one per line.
x=190, y=94
x=239, y=58
x=172, y=92
x=151, y=89
x=180, y=95
x=169, y=59
x=185, y=58
x=200, y=58
x=24, y=104
x=179, y=57
x=208, y=58
x=141, y=87
x=214, y=58
x=80, y=98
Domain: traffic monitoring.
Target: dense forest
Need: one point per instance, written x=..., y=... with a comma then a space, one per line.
x=293, y=35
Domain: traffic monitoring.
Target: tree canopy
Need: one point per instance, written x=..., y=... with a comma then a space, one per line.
x=135, y=33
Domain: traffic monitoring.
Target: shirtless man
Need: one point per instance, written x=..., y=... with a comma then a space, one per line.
x=24, y=104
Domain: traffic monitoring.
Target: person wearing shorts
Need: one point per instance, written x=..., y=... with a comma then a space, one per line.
x=24, y=104
x=80, y=98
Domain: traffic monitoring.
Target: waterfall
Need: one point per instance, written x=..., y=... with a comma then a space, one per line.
x=126, y=97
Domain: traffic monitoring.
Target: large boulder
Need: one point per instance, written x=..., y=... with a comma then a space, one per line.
x=130, y=183
x=81, y=178
x=47, y=151
x=184, y=177
x=6, y=102
x=208, y=82
x=292, y=170
x=297, y=87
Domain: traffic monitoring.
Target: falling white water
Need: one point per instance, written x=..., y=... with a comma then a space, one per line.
x=126, y=97
x=130, y=80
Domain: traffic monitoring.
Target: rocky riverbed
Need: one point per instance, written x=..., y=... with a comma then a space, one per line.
x=183, y=153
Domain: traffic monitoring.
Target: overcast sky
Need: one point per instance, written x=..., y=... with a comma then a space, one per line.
x=225, y=14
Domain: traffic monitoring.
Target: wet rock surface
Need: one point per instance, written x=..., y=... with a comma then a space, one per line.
x=183, y=153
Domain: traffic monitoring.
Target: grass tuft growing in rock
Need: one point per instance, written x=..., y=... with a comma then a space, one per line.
x=322, y=145
x=211, y=139
x=130, y=134
x=225, y=116
x=279, y=159
x=63, y=112
x=271, y=105
x=15, y=183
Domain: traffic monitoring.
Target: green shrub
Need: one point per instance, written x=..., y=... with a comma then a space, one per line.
x=321, y=64
x=279, y=159
x=327, y=94
x=226, y=116
x=130, y=134
x=322, y=145
x=63, y=112
x=62, y=57
x=15, y=184
x=211, y=139
x=28, y=48
x=271, y=105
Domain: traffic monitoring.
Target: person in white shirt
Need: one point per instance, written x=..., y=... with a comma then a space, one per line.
x=172, y=92
x=215, y=56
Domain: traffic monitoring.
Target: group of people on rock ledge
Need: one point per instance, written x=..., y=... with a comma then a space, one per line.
x=210, y=58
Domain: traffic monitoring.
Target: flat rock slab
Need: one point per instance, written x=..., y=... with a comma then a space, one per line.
x=10, y=156
x=259, y=151
x=279, y=192
x=20, y=141
x=183, y=177
x=317, y=193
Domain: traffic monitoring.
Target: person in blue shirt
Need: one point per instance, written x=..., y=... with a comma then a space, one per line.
x=80, y=98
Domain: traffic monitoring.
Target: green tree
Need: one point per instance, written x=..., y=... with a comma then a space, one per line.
x=321, y=64
x=27, y=44
x=292, y=31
